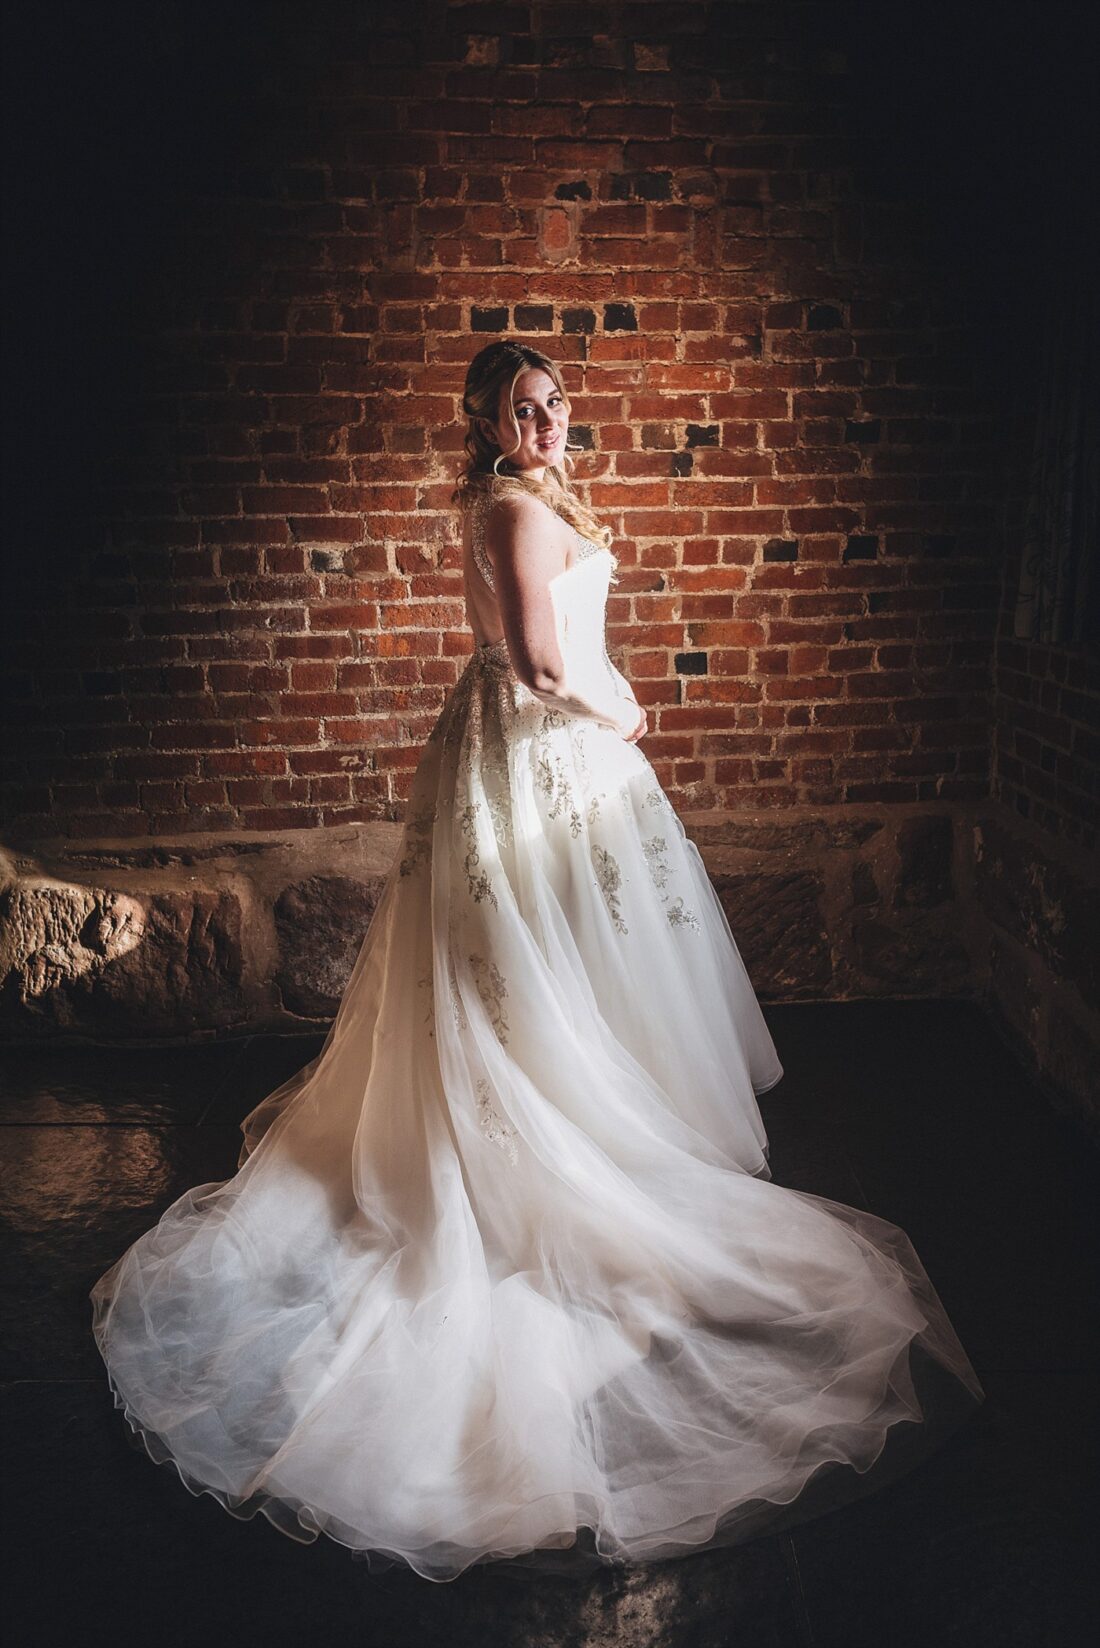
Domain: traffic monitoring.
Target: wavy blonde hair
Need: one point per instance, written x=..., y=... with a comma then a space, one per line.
x=487, y=469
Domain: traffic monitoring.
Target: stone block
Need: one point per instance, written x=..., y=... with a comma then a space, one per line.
x=780, y=835
x=1041, y=902
x=320, y=924
x=924, y=873
x=864, y=885
x=915, y=959
x=780, y=931
x=101, y=962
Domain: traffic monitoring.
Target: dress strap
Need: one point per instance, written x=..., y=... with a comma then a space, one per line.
x=478, y=512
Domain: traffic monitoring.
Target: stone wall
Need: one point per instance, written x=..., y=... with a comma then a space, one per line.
x=241, y=933
x=1038, y=904
x=233, y=934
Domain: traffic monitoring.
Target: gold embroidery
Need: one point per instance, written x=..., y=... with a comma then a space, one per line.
x=679, y=917
x=478, y=882
x=500, y=813
x=551, y=777
x=594, y=809
x=493, y=1124
x=418, y=839
x=492, y=990
x=610, y=879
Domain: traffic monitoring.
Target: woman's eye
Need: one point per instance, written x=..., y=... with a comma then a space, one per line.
x=555, y=400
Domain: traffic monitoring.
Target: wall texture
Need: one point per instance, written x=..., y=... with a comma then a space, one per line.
x=776, y=373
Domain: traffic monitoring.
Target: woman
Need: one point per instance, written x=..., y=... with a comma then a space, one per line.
x=502, y=1272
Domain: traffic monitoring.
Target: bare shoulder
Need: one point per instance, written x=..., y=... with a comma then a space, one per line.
x=513, y=518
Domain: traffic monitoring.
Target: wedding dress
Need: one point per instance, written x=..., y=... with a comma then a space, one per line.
x=503, y=1270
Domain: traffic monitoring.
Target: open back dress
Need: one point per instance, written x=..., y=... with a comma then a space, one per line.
x=502, y=1272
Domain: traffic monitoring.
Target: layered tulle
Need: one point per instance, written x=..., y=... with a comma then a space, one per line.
x=504, y=1262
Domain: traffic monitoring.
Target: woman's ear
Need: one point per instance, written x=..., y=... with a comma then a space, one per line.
x=488, y=431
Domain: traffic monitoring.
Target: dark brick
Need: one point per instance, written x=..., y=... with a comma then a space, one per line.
x=781, y=549
x=691, y=663
x=824, y=317
x=937, y=545
x=861, y=548
x=661, y=436
x=578, y=320
x=641, y=186
x=328, y=560
x=515, y=48
x=702, y=434
x=488, y=320
x=863, y=431
x=573, y=191
x=101, y=683
x=534, y=317
x=653, y=185
x=619, y=317
x=681, y=463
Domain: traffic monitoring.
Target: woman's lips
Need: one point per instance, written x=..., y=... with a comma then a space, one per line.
x=545, y=446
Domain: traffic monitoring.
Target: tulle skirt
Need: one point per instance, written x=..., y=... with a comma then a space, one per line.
x=502, y=1272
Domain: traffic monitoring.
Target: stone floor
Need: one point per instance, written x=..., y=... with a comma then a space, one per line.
x=913, y=1110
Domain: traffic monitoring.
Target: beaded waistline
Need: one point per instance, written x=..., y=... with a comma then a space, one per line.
x=493, y=654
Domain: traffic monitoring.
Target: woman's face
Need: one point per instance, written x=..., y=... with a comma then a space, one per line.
x=543, y=422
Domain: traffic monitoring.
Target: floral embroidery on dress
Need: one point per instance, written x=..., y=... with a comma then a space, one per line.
x=655, y=848
x=477, y=881
x=594, y=808
x=609, y=878
x=678, y=916
x=501, y=815
x=657, y=798
x=551, y=777
x=418, y=839
x=493, y=1124
x=492, y=990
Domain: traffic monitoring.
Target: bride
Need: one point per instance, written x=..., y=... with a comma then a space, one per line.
x=502, y=1272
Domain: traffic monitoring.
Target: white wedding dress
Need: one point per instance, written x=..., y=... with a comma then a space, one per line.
x=502, y=1271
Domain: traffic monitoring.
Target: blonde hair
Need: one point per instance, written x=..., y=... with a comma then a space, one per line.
x=493, y=367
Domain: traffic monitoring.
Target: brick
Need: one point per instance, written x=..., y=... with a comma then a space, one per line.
x=801, y=482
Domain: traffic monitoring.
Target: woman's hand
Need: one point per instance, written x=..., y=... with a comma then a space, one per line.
x=639, y=727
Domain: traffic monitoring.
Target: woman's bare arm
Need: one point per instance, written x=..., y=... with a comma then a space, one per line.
x=525, y=558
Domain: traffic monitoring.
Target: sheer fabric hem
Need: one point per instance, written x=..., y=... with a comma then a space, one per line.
x=577, y=1552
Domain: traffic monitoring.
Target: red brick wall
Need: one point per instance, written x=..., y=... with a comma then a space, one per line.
x=775, y=359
